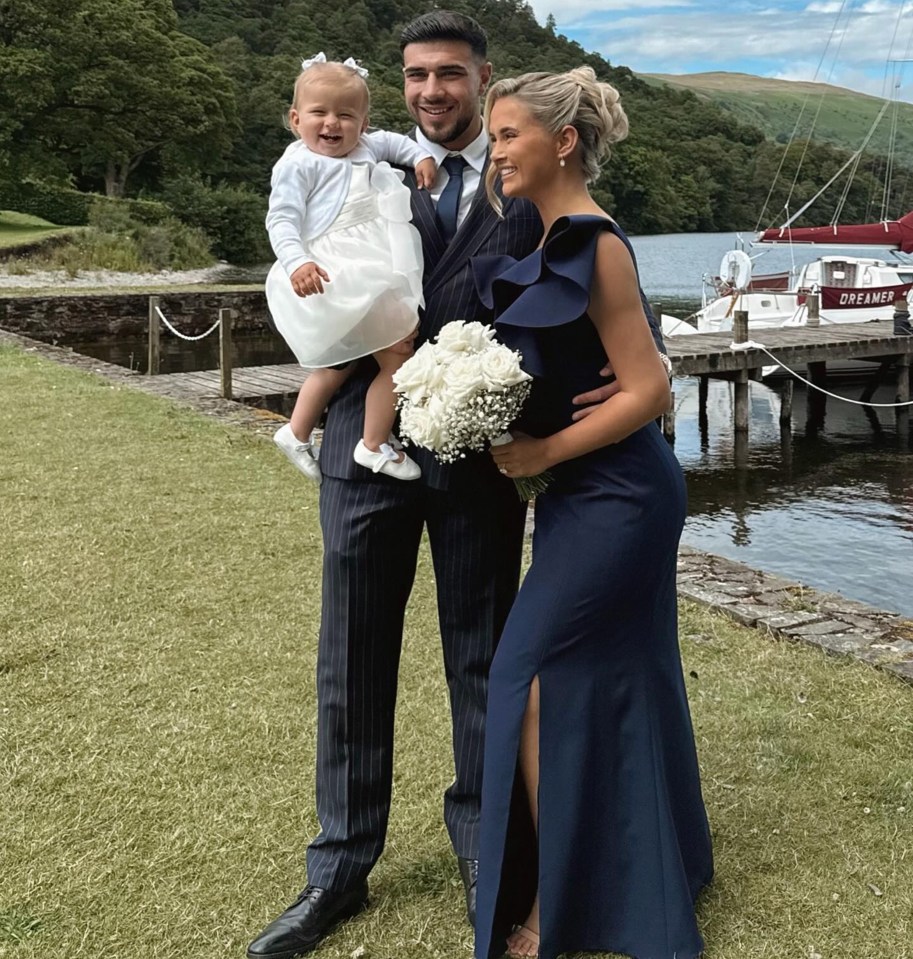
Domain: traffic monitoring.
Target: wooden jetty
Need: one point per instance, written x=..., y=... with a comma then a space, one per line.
x=806, y=350
x=709, y=354
x=701, y=354
x=248, y=383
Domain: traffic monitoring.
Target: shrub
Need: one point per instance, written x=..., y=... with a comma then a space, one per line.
x=67, y=207
x=117, y=240
x=93, y=250
x=232, y=217
x=59, y=205
x=143, y=211
x=173, y=245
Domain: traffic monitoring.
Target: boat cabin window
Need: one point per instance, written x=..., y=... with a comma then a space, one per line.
x=838, y=273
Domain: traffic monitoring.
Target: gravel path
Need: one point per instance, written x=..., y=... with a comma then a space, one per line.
x=60, y=279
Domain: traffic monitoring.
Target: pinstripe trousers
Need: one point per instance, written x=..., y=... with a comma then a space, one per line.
x=372, y=529
x=372, y=526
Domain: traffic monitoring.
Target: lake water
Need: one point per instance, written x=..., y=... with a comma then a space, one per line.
x=829, y=503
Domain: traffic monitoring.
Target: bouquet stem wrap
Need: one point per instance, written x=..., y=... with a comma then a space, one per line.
x=528, y=487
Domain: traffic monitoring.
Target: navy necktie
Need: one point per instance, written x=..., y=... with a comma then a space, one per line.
x=448, y=204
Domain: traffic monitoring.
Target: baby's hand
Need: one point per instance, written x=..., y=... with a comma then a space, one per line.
x=425, y=173
x=309, y=278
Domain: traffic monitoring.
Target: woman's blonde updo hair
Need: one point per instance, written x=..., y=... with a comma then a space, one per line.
x=556, y=100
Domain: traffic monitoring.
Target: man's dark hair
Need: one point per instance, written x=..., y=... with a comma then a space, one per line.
x=445, y=25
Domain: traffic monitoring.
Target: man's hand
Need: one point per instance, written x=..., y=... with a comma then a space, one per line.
x=425, y=173
x=309, y=278
x=590, y=401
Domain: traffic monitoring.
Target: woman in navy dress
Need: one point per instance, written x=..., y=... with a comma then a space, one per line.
x=594, y=834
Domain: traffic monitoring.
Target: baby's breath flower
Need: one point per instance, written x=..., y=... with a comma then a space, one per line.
x=460, y=392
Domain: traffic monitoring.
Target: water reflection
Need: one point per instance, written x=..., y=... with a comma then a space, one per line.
x=829, y=504
x=177, y=356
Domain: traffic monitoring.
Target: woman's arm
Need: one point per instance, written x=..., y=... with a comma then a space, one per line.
x=643, y=386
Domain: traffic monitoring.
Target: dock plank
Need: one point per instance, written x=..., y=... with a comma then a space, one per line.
x=248, y=382
x=710, y=353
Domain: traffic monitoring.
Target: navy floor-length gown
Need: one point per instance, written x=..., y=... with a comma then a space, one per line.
x=623, y=846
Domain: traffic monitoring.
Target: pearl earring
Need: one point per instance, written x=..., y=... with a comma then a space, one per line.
x=560, y=161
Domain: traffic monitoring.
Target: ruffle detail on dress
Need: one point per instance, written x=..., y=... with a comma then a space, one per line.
x=548, y=288
x=562, y=272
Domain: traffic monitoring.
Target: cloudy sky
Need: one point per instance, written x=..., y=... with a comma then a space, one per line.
x=844, y=42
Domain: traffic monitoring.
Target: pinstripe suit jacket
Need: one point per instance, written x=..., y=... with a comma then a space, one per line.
x=450, y=294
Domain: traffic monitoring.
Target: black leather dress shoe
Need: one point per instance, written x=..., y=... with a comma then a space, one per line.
x=308, y=920
x=469, y=873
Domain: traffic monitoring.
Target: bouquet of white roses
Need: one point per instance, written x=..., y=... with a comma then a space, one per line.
x=461, y=392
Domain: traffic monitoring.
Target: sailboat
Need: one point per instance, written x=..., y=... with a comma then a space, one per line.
x=850, y=288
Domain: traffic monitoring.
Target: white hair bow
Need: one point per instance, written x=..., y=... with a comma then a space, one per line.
x=360, y=70
x=321, y=58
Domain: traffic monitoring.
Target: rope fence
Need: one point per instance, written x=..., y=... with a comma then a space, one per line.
x=752, y=345
x=184, y=336
x=223, y=324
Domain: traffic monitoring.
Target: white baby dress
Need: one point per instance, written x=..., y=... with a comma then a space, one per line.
x=373, y=256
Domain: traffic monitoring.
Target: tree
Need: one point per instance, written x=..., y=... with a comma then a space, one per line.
x=106, y=83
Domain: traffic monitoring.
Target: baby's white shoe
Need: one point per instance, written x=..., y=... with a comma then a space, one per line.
x=301, y=454
x=387, y=460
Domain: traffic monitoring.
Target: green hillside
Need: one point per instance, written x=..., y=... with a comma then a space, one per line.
x=207, y=83
x=844, y=117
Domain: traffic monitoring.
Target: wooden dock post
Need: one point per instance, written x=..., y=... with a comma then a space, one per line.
x=703, y=425
x=903, y=395
x=740, y=411
x=903, y=379
x=154, y=362
x=669, y=419
x=816, y=402
x=225, y=356
x=813, y=305
x=904, y=372
x=740, y=415
x=786, y=404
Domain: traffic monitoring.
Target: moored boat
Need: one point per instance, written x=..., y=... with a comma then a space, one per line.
x=850, y=289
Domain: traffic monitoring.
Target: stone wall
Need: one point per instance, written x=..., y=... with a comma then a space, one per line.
x=83, y=317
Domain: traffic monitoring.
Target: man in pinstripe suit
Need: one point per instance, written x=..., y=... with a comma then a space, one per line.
x=372, y=526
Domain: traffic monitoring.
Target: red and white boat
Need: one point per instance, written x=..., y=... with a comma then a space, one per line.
x=851, y=289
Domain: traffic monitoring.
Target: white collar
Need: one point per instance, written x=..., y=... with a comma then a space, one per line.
x=475, y=154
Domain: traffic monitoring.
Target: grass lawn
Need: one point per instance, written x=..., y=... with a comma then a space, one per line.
x=158, y=611
x=20, y=229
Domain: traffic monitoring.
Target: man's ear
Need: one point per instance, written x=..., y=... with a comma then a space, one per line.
x=484, y=77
